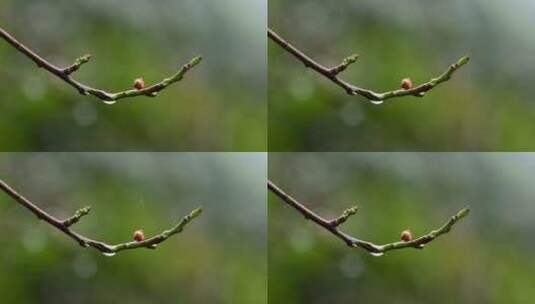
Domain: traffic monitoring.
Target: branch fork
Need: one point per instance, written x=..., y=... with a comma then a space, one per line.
x=107, y=249
x=333, y=226
x=108, y=97
x=375, y=97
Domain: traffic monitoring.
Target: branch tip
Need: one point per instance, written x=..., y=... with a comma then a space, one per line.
x=344, y=65
x=345, y=216
x=196, y=212
x=463, y=212
x=351, y=59
x=464, y=60
x=195, y=61
x=77, y=64
x=83, y=59
x=77, y=216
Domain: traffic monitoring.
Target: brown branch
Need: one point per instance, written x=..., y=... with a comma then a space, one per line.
x=333, y=226
x=107, y=249
x=375, y=97
x=107, y=97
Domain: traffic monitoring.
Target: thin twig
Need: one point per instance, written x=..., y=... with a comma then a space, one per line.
x=107, y=97
x=107, y=249
x=333, y=226
x=374, y=97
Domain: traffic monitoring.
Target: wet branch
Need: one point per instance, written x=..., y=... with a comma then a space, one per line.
x=333, y=226
x=108, y=97
x=375, y=97
x=64, y=226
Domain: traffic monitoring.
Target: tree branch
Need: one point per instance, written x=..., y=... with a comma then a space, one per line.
x=107, y=97
x=107, y=249
x=333, y=226
x=374, y=97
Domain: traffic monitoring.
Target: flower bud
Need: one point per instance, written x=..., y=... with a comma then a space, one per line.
x=139, y=236
x=139, y=83
x=406, y=84
x=406, y=235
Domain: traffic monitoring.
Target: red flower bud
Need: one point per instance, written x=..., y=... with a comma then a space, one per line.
x=406, y=84
x=139, y=83
x=139, y=236
x=406, y=235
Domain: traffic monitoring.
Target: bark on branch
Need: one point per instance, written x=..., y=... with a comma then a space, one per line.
x=66, y=74
x=377, y=250
x=375, y=97
x=107, y=249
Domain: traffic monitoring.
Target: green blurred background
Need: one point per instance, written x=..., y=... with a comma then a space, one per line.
x=219, y=106
x=487, y=258
x=218, y=258
x=488, y=105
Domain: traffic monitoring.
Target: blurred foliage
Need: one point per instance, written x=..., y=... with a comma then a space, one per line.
x=486, y=258
x=219, y=258
x=488, y=105
x=219, y=106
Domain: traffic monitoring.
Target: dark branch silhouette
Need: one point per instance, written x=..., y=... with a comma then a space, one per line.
x=375, y=97
x=107, y=249
x=107, y=97
x=333, y=226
